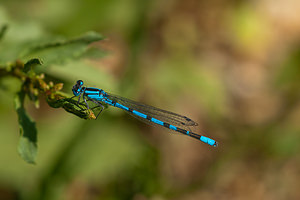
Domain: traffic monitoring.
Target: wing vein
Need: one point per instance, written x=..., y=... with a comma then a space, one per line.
x=162, y=115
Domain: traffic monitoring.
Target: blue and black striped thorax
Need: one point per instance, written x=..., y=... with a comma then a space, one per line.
x=89, y=92
x=94, y=93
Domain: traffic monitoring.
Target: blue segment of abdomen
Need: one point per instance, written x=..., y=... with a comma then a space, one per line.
x=121, y=106
x=139, y=114
x=173, y=127
x=157, y=121
x=207, y=140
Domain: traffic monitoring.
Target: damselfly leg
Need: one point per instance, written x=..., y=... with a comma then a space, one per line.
x=98, y=105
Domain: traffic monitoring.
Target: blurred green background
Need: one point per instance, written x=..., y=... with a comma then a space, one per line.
x=232, y=66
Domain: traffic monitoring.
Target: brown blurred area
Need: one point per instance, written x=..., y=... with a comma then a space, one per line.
x=232, y=66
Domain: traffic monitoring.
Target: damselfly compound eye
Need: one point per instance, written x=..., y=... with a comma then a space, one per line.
x=80, y=82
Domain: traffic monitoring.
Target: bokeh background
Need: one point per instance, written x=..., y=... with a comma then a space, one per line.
x=232, y=66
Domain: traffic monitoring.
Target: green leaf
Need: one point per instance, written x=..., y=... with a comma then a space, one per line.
x=94, y=53
x=18, y=38
x=71, y=106
x=81, y=70
x=60, y=51
x=31, y=63
x=27, y=147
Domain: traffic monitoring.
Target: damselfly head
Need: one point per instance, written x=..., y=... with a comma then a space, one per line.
x=79, y=82
x=77, y=87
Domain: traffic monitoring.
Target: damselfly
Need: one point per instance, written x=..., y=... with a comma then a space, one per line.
x=143, y=112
